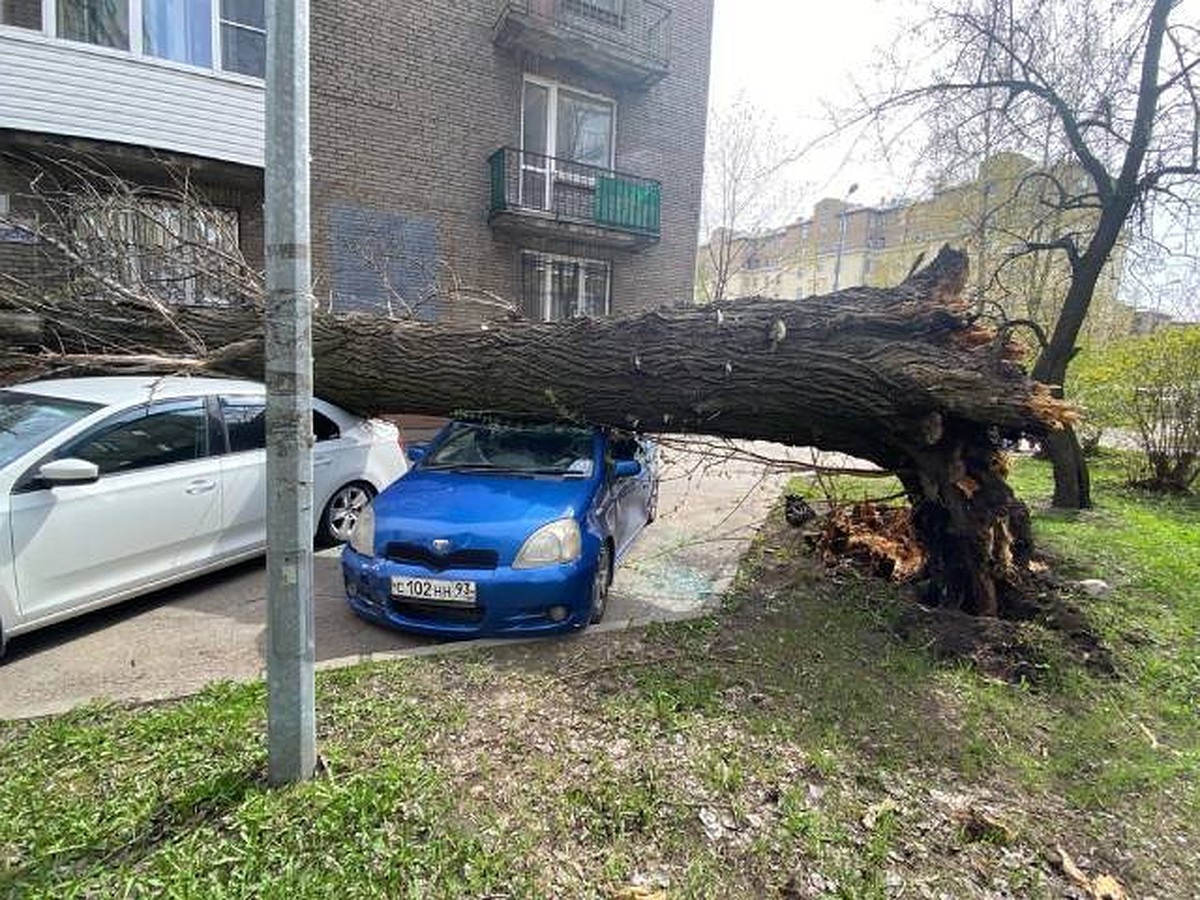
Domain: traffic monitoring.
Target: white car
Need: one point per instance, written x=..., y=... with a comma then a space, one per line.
x=114, y=487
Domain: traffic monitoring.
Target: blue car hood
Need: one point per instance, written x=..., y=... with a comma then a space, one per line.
x=495, y=512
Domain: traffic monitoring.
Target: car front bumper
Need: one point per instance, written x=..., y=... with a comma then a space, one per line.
x=509, y=602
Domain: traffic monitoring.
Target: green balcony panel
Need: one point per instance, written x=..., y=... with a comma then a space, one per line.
x=626, y=204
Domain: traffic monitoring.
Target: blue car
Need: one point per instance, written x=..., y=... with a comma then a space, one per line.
x=502, y=527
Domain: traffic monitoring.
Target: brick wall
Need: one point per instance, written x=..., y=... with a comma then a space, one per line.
x=410, y=98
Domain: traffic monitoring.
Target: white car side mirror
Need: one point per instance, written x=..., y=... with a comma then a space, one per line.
x=69, y=471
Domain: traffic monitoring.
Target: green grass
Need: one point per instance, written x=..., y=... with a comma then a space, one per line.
x=801, y=740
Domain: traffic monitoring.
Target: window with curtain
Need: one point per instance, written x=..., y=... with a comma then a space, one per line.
x=178, y=29
x=101, y=22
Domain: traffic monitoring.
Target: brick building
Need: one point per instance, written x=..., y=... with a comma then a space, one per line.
x=547, y=153
x=844, y=244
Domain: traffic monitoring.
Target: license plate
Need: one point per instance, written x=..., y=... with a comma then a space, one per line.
x=434, y=589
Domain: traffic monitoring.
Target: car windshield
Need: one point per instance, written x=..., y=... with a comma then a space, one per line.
x=527, y=449
x=28, y=419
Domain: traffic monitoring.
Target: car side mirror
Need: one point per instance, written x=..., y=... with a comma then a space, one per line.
x=416, y=452
x=627, y=468
x=69, y=471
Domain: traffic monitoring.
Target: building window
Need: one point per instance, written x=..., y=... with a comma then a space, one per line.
x=569, y=124
x=244, y=37
x=101, y=22
x=226, y=35
x=178, y=29
x=21, y=13
x=609, y=12
x=186, y=254
x=564, y=287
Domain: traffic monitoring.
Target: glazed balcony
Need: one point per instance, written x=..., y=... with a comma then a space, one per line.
x=534, y=194
x=627, y=41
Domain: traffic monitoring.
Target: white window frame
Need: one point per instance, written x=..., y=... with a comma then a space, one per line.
x=550, y=174
x=217, y=21
x=547, y=290
x=50, y=30
x=553, y=87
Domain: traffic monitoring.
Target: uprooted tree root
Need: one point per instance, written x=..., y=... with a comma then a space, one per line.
x=880, y=538
x=880, y=541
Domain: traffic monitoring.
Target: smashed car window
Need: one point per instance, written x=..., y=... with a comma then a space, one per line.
x=522, y=448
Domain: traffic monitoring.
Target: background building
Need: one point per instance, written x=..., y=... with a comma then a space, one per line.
x=542, y=152
x=991, y=217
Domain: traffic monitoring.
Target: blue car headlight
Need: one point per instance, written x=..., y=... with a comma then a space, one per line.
x=554, y=544
x=362, y=538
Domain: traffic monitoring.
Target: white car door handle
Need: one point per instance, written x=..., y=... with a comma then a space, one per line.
x=322, y=461
x=201, y=486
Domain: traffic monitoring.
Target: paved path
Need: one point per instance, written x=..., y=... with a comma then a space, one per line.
x=176, y=641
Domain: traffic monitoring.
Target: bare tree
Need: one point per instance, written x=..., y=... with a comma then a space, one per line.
x=743, y=192
x=1109, y=86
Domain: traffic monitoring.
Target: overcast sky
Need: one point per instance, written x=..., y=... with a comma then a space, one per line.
x=793, y=58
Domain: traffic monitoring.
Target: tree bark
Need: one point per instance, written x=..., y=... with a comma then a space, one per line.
x=904, y=377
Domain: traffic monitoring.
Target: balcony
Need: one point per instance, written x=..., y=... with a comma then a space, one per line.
x=627, y=41
x=544, y=196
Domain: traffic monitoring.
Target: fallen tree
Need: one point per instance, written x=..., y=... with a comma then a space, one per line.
x=904, y=377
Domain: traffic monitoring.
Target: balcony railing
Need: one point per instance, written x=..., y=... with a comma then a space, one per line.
x=626, y=39
x=533, y=191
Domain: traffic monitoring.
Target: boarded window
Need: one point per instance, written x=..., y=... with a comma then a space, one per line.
x=384, y=263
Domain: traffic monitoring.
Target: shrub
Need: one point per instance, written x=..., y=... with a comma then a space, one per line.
x=1149, y=387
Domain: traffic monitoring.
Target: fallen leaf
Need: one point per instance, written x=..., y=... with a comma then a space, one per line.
x=1105, y=887
x=1102, y=887
x=1071, y=870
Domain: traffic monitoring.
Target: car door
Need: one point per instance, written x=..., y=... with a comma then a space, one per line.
x=627, y=495
x=243, y=475
x=153, y=514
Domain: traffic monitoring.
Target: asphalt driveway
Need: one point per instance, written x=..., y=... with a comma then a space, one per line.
x=176, y=641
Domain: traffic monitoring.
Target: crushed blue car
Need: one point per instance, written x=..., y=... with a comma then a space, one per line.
x=502, y=527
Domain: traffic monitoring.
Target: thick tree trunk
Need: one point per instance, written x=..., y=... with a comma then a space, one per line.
x=903, y=377
x=1072, y=481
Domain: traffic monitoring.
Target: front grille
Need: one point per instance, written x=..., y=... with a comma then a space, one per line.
x=416, y=555
x=441, y=612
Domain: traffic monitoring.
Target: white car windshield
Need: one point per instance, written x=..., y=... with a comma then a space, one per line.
x=28, y=419
x=526, y=449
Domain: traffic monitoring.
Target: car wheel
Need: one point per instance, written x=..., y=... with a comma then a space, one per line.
x=342, y=512
x=601, y=583
x=652, y=506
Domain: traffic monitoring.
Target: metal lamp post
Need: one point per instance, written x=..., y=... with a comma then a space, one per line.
x=291, y=713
